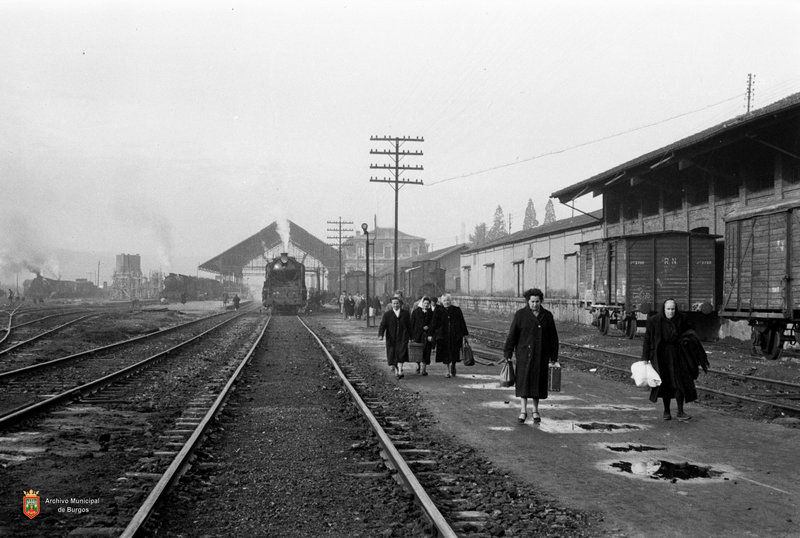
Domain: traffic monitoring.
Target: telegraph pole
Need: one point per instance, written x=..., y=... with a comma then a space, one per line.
x=396, y=183
x=340, y=229
x=751, y=79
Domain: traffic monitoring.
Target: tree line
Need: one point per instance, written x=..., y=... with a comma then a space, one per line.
x=500, y=228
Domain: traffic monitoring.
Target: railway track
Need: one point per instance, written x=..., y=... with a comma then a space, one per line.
x=126, y=438
x=740, y=388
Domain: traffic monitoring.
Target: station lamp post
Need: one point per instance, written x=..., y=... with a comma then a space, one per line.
x=369, y=302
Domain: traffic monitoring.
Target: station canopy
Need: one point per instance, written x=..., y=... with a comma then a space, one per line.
x=250, y=257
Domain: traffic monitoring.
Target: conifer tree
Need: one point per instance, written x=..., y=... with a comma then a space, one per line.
x=498, y=228
x=549, y=212
x=530, y=217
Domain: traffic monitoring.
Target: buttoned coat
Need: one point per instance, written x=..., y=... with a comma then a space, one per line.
x=397, y=330
x=534, y=341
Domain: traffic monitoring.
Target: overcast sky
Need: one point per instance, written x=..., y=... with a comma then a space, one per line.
x=177, y=129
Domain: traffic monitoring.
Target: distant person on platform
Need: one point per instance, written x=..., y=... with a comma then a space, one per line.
x=664, y=347
x=534, y=340
x=236, y=301
x=396, y=325
x=451, y=333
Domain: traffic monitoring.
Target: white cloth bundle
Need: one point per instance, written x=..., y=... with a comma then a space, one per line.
x=644, y=375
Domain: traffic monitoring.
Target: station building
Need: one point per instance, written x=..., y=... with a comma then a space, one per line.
x=494, y=275
x=694, y=184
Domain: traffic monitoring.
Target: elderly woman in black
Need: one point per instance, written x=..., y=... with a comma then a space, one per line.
x=451, y=331
x=421, y=331
x=661, y=348
x=534, y=340
x=396, y=325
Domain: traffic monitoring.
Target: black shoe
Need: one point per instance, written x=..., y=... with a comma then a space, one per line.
x=417, y=367
x=667, y=416
x=683, y=417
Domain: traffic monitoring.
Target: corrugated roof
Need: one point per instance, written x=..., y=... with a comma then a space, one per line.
x=581, y=221
x=787, y=104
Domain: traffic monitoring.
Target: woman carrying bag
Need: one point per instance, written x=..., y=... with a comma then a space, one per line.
x=534, y=340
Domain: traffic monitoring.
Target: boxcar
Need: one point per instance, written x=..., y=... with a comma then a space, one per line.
x=425, y=278
x=762, y=272
x=624, y=279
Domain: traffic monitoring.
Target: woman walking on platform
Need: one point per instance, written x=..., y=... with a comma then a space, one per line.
x=451, y=331
x=534, y=340
x=661, y=347
x=396, y=325
x=421, y=333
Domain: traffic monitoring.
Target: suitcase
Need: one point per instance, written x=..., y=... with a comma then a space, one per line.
x=554, y=377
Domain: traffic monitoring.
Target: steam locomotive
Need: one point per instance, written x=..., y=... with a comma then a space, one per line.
x=285, y=285
x=41, y=288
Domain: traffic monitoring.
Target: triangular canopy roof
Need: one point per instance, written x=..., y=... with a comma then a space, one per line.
x=235, y=258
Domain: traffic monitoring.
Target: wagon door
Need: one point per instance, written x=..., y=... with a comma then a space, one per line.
x=769, y=261
x=641, y=278
x=672, y=270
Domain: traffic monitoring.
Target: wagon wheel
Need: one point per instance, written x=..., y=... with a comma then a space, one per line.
x=604, y=323
x=630, y=328
x=772, y=343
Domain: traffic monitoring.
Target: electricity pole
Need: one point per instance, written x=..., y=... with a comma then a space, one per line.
x=340, y=230
x=751, y=79
x=396, y=183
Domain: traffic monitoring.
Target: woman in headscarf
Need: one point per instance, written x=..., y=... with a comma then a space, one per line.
x=451, y=331
x=661, y=348
x=421, y=332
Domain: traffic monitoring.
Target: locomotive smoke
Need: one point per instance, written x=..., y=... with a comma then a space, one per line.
x=283, y=232
x=21, y=252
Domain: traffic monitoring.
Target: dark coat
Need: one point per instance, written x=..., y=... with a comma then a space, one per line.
x=450, y=329
x=534, y=341
x=421, y=329
x=397, y=330
x=662, y=348
x=693, y=353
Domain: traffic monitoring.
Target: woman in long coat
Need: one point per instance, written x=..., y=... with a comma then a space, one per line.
x=396, y=325
x=451, y=330
x=661, y=347
x=421, y=332
x=534, y=340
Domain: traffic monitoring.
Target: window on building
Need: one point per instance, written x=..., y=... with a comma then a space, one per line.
x=630, y=208
x=611, y=208
x=726, y=188
x=542, y=272
x=519, y=273
x=650, y=199
x=360, y=252
x=571, y=275
x=697, y=191
x=489, y=278
x=466, y=270
x=387, y=251
x=672, y=192
x=792, y=175
x=759, y=172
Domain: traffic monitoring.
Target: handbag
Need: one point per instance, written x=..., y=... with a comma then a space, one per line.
x=507, y=375
x=467, y=357
x=554, y=377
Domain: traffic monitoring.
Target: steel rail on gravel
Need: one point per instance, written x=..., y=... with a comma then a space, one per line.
x=405, y=473
x=173, y=472
x=93, y=386
x=42, y=335
x=27, y=369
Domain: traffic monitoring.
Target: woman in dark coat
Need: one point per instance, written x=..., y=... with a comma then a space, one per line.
x=396, y=325
x=421, y=332
x=451, y=330
x=661, y=348
x=534, y=340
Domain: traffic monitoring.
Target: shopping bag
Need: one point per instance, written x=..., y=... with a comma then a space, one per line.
x=467, y=357
x=554, y=377
x=507, y=375
x=644, y=375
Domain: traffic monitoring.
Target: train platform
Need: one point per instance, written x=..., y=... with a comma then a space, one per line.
x=604, y=446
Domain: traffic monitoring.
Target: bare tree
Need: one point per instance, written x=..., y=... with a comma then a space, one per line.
x=478, y=238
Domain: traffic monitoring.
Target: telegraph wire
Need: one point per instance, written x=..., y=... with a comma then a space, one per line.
x=582, y=144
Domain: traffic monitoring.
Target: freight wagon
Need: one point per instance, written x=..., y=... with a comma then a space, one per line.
x=762, y=273
x=622, y=280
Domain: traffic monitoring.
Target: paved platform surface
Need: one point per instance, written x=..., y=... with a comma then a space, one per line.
x=753, y=490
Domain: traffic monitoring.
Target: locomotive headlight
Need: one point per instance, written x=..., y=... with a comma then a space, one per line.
x=284, y=258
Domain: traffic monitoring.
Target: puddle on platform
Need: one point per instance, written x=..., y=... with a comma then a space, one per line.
x=630, y=448
x=502, y=428
x=666, y=470
x=484, y=386
x=571, y=426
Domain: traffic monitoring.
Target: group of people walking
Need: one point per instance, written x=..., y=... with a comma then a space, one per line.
x=670, y=345
x=435, y=323
x=356, y=306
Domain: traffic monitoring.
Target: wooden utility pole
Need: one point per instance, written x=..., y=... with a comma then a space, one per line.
x=340, y=230
x=396, y=183
x=751, y=79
